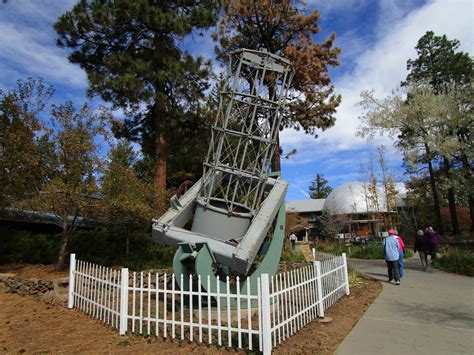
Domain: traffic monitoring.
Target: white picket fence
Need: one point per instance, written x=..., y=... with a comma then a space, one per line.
x=152, y=304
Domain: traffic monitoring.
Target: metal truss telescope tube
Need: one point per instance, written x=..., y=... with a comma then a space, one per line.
x=244, y=134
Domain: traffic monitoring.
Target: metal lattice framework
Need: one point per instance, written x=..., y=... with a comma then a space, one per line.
x=244, y=135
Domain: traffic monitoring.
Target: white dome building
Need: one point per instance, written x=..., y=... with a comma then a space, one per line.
x=352, y=210
x=355, y=198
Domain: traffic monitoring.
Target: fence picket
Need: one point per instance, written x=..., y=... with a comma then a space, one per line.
x=199, y=309
x=157, y=304
x=285, y=306
x=140, y=324
x=209, y=320
x=133, y=301
x=259, y=293
x=113, y=297
x=249, y=313
x=117, y=305
x=229, y=319
x=165, y=304
x=173, y=307
x=149, y=304
x=181, y=309
x=190, y=307
x=272, y=303
x=239, y=331
x=278, y=300
x=219, y=325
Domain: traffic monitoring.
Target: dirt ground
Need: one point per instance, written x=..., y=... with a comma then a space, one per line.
x=28, y=325
x=42, y=272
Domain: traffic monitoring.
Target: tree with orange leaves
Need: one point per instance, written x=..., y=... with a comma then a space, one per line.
x=285, y=28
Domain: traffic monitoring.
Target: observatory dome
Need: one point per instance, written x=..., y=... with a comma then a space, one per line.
x=355, y=198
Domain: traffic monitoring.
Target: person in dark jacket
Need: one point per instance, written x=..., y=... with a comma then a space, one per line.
x=433, y=242
x=422, y=246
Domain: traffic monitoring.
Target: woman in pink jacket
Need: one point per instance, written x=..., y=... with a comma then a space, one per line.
x=401, y=249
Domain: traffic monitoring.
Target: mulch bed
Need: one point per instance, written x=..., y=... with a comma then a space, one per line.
x=29, y=325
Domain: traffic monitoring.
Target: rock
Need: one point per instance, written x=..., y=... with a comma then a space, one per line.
x=5, y=275
x=325, y=320
x=60, y=287
x=48, y=297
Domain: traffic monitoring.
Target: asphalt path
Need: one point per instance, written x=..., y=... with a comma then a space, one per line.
x=431, y=312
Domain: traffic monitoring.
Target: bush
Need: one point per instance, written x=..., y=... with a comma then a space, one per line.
x=456, y=260
x=27, y=247
x=109, y=248
x=102, y=246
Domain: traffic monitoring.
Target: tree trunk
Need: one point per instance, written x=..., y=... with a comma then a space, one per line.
x=434, y=191
x=451, y=200
x=276, y=159
x=127, y=246
x=467, y=176
x=160, y=153
x=63, y=245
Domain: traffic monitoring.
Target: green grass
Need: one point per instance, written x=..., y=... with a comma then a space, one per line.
x=355, y=279
x=292, y=256
x=456, y=260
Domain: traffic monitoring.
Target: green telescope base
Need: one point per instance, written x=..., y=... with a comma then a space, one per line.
x=204, y=265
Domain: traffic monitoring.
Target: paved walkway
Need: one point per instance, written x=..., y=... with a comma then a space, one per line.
x=429, y=313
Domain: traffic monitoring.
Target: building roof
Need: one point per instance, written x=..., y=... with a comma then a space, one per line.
x=18, y=215
x=301, y=206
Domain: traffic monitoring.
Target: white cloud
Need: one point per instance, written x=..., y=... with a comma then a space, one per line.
x=27, y=43
x=333, y=6
x=382, y=67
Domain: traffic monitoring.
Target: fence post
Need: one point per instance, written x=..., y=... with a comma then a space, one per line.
x=123, y=302
x=72, y=279
x=317, y=265
x=265, y=314
x=346, y=274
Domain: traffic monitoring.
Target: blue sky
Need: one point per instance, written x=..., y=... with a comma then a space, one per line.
x=376, y=39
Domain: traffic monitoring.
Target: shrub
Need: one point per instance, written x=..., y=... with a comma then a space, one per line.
x=102, y=246
x=456, y=260
x=19, y=246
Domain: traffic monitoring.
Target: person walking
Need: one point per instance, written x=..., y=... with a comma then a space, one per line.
x=401, y=245
x=433, y=242
x=293, y=238
x=391, y=251
x=422, y=246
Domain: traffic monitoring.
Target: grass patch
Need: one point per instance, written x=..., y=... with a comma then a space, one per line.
x=456, y=260
x=369, y=251
x=292, y=256
x=355, y=279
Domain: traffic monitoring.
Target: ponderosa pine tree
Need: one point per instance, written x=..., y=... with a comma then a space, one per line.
x=284, y=28
x=131, y=53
